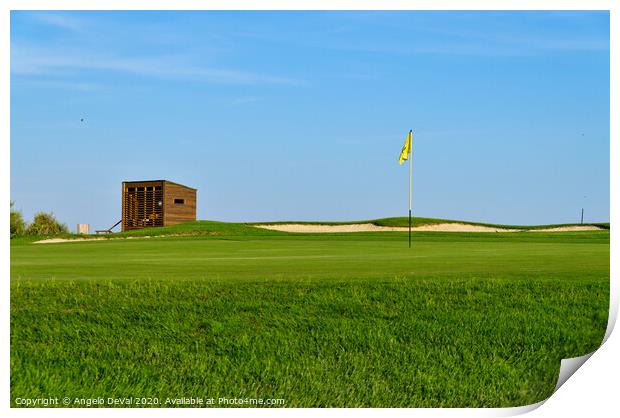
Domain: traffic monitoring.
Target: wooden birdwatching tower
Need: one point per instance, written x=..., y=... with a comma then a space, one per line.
x=155, y=203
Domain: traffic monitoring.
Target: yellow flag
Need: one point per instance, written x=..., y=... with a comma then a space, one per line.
x=404, y=154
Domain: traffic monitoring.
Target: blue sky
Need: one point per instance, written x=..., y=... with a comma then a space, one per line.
x=302, y=115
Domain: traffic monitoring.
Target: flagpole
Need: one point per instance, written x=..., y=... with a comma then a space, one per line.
x=410, y=176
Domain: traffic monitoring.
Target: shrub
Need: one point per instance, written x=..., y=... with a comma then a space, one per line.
x=46, y=224
x=18, y=225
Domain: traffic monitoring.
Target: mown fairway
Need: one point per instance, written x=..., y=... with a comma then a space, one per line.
x=318, y=320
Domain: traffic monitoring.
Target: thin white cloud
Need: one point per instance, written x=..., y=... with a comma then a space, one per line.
x=57, y=84
x=26, y=60
x=548, y=44
x=60, y=21
x=524, y=43
x=524, y=46
x=495, y=38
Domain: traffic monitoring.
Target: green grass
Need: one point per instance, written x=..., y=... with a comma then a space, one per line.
x=316, y=319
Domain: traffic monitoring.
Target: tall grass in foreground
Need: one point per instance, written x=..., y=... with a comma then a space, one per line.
x=477, y=341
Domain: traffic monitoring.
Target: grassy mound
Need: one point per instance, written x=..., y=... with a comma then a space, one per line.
x=236, y=229
x=199, y=228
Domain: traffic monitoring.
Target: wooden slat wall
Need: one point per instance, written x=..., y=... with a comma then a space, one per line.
x=178, y=213
x=140, y=205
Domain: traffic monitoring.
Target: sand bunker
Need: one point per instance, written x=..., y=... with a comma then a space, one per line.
x=57, y=240
x=368, y=227
x=443, y=227
x=568, y=228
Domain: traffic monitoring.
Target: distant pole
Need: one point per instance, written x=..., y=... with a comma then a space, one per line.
x=409, y=228
x=581, y=216
x=410, y=176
